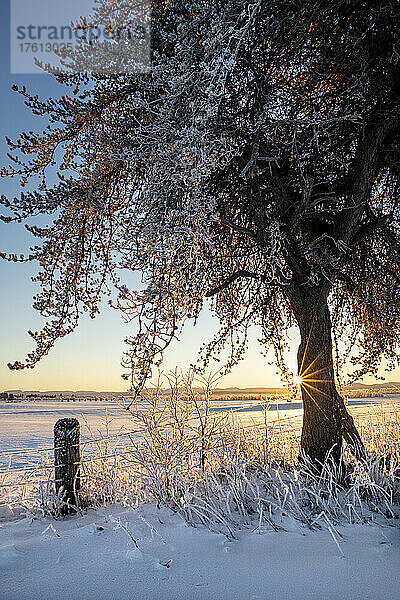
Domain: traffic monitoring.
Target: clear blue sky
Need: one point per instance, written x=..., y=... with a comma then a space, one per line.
x=89, y=358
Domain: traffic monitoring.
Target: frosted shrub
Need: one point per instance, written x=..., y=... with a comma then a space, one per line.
x=214, y=471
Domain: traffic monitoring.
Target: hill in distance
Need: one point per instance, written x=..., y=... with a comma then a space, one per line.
x=229, y=391
x=375, y=386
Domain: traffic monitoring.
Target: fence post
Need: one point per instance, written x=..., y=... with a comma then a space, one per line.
x=67, y=457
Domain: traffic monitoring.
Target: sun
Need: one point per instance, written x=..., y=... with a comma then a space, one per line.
x=297, y=379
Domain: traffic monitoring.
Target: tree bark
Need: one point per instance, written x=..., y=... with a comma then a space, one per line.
x=326, y=421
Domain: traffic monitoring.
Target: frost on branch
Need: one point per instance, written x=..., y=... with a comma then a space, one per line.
x=256, y=162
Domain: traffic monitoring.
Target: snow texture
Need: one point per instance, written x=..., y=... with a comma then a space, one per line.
x=150, y=553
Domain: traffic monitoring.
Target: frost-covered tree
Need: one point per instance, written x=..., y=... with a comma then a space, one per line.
x=256, y=164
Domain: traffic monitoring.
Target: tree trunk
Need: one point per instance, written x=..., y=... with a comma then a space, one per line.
x=326, y=420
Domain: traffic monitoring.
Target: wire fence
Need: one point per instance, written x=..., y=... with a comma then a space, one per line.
x=98, y=449
x=106, y=439
x=84, y=442
x=42, y=456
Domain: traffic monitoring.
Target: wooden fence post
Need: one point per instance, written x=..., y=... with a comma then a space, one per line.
x=67, y=457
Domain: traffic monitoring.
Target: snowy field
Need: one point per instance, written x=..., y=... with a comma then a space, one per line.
x=149, y=554
x=144, y=552
x=29, y=425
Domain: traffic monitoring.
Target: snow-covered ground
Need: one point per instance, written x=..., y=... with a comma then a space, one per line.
x=29, y=425
x=151, y=554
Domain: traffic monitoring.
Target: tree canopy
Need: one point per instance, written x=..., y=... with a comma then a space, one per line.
x=255, y=164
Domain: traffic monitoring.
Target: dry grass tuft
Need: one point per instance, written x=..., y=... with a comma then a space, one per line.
x=210, y=468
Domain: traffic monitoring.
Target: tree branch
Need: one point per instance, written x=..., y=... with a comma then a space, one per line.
x=364, y=171
x=239, y=229
x=231, y=279
x=369, y=228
